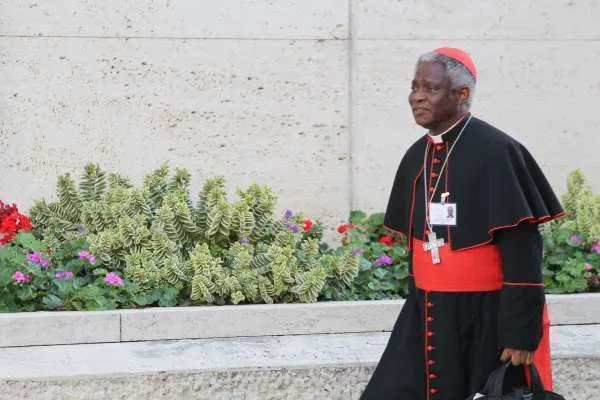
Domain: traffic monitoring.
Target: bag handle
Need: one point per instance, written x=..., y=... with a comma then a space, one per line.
x=495, y=382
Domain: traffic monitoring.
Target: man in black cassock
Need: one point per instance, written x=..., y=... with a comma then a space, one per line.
x=476, y=294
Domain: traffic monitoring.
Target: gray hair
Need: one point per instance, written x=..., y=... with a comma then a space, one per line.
x=459, y=75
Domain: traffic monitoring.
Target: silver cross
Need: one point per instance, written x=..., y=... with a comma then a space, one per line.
x=433, y=245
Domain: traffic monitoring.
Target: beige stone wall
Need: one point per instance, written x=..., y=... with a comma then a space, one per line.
x=307, y=96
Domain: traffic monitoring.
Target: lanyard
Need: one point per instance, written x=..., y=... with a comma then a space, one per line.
x=428, y=200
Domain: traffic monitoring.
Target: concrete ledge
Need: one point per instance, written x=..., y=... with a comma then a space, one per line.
x=334, y=366
x=574, y=309
x=47, y=328
x=27, y=329
x=258, y=320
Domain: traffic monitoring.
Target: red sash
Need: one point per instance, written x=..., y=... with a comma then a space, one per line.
x=478, y=269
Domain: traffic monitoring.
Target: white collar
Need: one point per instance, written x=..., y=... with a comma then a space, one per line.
x=437, y=139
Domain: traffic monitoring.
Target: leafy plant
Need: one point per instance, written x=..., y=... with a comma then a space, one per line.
x=572, y=243
x=35, y=277
x=383, y=268
x=214, y=252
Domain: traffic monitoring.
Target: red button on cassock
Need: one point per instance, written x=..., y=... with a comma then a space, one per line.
x=432, y=376
x=433, y=391
x=429, y=319
x=430, y=334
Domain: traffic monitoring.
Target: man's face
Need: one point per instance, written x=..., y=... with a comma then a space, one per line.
x=431, y=99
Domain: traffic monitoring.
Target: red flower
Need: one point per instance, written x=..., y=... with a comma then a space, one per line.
x=6, y=210
x=387, y=240
x=11, y=222
x=307, y=225
x=344, y=227
x=6, y=237
x=15, y=222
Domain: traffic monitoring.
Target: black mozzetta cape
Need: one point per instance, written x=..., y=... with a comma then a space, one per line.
x=492, y=178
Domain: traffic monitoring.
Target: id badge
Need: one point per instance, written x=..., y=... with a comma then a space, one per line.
x=442, y=214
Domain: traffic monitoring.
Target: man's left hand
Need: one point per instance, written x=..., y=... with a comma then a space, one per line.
x=517, y=357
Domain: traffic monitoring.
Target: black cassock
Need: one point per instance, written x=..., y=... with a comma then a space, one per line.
x=446, y=341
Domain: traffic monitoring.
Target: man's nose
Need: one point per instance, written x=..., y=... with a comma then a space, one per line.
x=418, y=96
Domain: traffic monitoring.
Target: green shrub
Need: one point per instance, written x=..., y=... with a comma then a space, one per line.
x=213, y=252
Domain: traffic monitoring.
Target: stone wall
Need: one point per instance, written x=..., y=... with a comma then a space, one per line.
x=307, y=96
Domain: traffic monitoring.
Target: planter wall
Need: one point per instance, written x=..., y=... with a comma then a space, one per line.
x=24, y=329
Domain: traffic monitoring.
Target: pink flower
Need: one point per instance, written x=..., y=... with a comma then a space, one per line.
x=384, y=260
x=64, y=275
x=86, y=255
x=113, y=279
x=588, y=266
x=20, y=277
x=577, y=240
x=37, y=258
x=34, y=257
x=596, y=248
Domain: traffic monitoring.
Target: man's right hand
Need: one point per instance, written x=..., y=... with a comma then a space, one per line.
x=517, y=357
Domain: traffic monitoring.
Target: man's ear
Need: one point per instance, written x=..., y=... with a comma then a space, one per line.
x=463, y=95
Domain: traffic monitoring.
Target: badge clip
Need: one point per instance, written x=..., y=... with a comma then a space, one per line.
x=445, y=195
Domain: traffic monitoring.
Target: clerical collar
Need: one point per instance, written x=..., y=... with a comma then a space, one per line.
x=450, y=133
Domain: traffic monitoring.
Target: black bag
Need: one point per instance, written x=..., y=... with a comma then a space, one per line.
x=494, y=388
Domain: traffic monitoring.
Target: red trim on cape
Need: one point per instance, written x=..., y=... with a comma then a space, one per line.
x=530, y=219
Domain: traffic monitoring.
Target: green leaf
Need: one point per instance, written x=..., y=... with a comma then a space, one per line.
x=364, y=265
x=169, y=297
x=65, y=287
x=100, y=271
x=380, y=273
x=148, y=298
x=28, y=241
x=52, y=302
x=356, y=216
x=4, y=307
x=25, y=293
x=376, y=220
x=5, y=276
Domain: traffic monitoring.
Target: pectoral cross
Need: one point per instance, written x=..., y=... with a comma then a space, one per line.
x=434, y=245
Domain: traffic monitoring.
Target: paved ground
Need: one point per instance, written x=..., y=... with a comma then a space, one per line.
x=332, y=366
